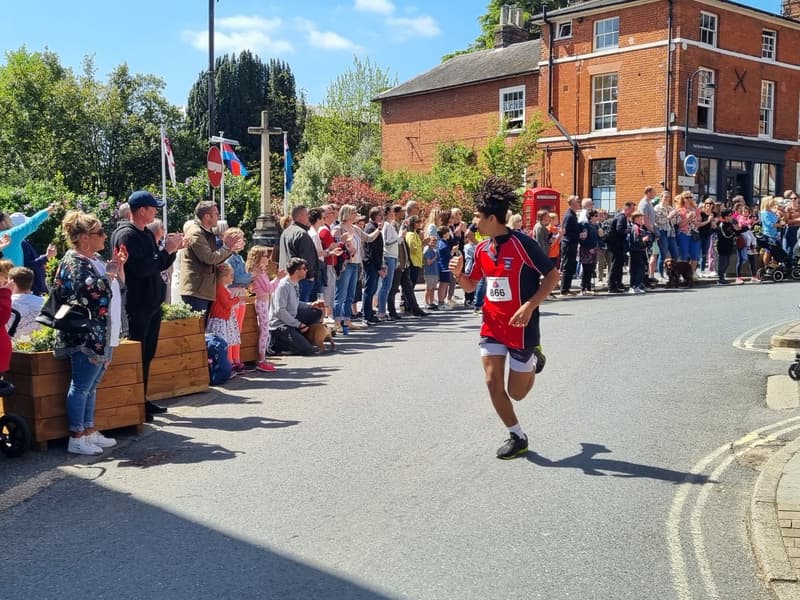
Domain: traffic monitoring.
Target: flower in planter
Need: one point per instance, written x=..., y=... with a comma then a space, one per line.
x=181, y=310
x=40, y=340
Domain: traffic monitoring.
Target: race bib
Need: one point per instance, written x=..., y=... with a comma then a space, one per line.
x=498, y=289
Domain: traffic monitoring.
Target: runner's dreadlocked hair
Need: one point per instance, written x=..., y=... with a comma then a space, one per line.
x=495, y=198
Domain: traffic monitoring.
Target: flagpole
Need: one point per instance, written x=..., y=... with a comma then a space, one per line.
x=222, y=185
x=164, y=181
x=285, y=191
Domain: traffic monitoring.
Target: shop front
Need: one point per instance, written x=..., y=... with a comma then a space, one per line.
x=731, y=167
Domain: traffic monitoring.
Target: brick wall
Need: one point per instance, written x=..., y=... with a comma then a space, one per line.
x=413, y=126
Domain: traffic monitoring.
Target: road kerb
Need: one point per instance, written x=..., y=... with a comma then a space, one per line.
x=765, y=534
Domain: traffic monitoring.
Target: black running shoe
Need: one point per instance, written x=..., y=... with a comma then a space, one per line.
x=541, y=359
x=514, y=446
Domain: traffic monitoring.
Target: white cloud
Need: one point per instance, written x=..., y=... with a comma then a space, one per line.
x=242, y=32
x=424, y=26
x=325, y=40
x=381, y=7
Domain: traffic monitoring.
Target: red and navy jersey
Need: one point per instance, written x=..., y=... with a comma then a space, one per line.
x=512, y=265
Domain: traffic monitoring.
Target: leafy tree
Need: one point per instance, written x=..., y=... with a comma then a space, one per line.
x=509, y=155
x=348, y=122
x=244, y=86
x=359, y=193
x=42, y=132
x=313, y=177
x=126, y=119
x=489, y=20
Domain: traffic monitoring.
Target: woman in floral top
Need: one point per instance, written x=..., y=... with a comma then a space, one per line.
x=687, y=216
x=84, y=278
x=665, y=229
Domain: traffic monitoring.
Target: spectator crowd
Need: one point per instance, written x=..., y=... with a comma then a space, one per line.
x=348, y=271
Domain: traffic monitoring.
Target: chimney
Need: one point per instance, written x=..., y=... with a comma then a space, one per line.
x=791, y=9
x=510, y=30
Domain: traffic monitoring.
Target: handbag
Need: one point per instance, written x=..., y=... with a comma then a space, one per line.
x=740, y=242
x=63, y=316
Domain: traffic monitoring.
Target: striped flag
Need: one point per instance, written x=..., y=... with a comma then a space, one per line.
x=235, y=165
x=287, y=163
x=169, y=157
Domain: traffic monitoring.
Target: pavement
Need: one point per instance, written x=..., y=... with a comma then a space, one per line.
x=775, y=503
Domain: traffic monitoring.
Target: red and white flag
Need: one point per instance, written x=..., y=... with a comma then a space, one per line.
x=169, y=158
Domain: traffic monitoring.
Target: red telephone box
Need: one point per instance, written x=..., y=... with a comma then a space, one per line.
x=534, y=200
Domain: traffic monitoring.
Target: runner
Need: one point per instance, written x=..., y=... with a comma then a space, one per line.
x=513, y=265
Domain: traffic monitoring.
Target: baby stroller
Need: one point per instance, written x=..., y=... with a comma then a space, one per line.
x=15, y=435
x=782, y=264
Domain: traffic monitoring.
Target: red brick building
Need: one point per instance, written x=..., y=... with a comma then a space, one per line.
x=613, y=79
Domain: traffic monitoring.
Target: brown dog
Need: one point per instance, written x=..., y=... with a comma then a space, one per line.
x=677, y=269
x=318, y=334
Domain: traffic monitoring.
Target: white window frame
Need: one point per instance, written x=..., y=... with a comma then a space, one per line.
x=766, y=115
x=705, y=95
x=604, y=196
x=600, y=42
x=560, y=27
x=769, y=44
x=505, y=110
x=612, y=100
x=711, y=29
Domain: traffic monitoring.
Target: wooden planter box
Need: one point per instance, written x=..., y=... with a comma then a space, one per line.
x=180, y=366
x=249, y=333
x=42, y=382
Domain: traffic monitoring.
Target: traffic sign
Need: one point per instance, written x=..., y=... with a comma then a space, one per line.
x=691, y=165
x=685, y=181
x=215, y=166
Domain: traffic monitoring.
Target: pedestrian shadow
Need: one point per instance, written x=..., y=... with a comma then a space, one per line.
x=587, y=461
x=165, y=447
x=228, y=423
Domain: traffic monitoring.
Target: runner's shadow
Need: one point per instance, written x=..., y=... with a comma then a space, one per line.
x=587, y=461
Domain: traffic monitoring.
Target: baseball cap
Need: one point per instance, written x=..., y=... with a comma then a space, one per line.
x=143, y=198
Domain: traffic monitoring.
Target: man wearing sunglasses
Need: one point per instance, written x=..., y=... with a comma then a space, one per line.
x=290, y=317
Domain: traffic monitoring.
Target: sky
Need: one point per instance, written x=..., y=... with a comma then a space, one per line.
x=318, y=39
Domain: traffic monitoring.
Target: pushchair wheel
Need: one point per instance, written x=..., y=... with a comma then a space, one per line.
x=760, y=273
x=794, y=371
x=795, y=272
x=778, y=275
x=15, y=435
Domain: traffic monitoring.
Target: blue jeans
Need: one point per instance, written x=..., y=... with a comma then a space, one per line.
x=667, y=248
x=480, y=293
x=345, y=292
x=789, y=240
x=688, y=248
x=385, y=284
x=306, y=287
x=82, y=391
x=371, y=278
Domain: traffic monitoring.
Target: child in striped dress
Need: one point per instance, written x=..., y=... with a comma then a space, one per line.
x=258, y=260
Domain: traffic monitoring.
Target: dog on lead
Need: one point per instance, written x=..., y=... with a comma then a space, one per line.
x=676, y=271
x=318, y=334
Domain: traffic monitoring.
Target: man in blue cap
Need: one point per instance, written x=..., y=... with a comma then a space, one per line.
x=143, y=268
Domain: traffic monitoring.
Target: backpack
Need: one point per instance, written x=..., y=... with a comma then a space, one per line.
x=219, y=366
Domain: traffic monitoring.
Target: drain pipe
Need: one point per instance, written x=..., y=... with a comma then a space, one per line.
x=550, y=112
x=668, y=102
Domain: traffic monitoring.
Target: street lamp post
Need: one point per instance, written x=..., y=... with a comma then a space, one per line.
x=689, y=89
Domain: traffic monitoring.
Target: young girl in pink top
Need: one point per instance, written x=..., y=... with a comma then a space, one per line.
x=257, y=261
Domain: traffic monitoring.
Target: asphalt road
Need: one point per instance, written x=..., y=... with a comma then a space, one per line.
x=370, y=473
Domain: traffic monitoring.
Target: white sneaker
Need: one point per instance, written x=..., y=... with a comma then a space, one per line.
x=98, y=439
x=329, y=321
x=83, y=445
x=355, y=325
x=633, y=291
